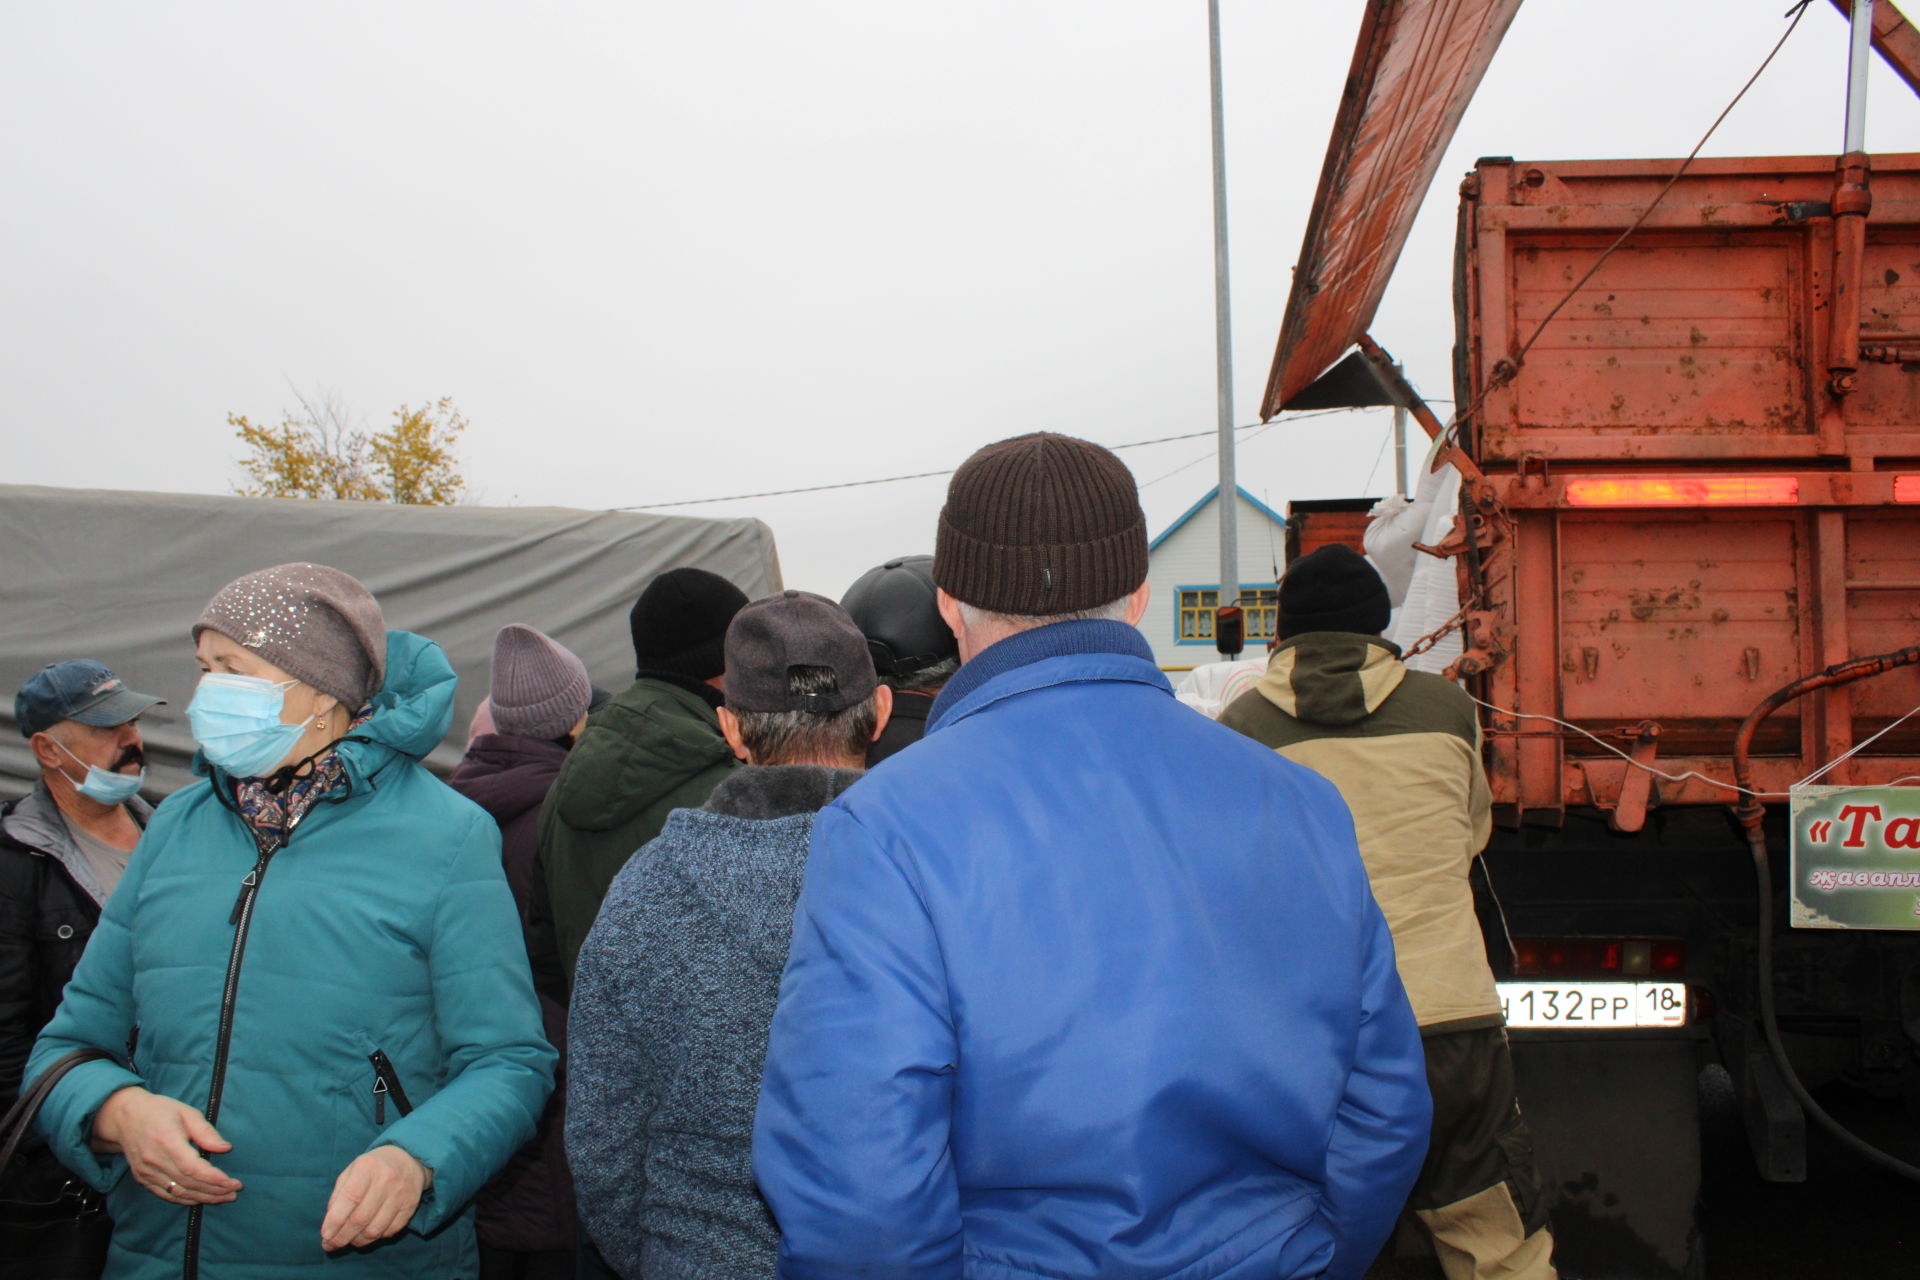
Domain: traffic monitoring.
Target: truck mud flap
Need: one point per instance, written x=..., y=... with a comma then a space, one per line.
x=1616, y=1129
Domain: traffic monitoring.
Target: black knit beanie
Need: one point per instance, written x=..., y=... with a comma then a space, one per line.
x=1333, y=589
x=1040, y=525
x=680, y=622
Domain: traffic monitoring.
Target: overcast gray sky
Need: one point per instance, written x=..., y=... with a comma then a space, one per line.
x=668, y=251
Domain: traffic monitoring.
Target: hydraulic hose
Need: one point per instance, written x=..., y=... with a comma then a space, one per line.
x=1751, y=814
x=1750, y=810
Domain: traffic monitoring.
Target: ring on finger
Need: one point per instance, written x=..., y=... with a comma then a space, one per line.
x=171, y=1184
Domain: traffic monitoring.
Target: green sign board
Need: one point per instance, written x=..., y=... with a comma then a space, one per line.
x=1856, y=857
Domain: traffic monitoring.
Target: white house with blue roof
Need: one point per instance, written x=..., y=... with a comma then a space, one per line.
x=1183, y=565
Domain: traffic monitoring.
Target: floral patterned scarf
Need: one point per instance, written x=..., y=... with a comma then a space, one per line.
x=270, y=813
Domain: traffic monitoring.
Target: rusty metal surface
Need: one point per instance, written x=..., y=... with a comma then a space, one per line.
x=1669, y=607
x=1679, y=511
x=1895, y=38
x=1314, y=524
x=1707, y=335
x=1415, y=66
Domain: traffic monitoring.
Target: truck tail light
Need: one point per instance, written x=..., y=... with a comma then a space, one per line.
x=1599, y=957
x=1690, y=491
x=1906, y=488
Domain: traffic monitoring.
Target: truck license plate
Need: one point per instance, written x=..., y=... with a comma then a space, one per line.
x=1594, y=1004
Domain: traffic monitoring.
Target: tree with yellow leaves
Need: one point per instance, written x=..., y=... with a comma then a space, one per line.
x=321, y=453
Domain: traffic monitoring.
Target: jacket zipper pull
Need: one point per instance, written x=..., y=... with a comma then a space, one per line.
x=253, y=878
x=387, y=1081
x=379, y=1100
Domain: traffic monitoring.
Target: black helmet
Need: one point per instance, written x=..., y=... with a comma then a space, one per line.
x=894, y=608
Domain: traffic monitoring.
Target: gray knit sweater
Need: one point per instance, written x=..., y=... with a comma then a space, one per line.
x=667, y=1035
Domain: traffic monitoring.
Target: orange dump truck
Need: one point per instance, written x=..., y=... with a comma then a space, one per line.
x=1698, y=491
x=1688, y=550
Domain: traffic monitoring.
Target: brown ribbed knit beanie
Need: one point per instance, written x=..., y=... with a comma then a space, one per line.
x=317, y=624
x=1039, y=525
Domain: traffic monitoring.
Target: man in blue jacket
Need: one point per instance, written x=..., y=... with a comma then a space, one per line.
x=1085, y=984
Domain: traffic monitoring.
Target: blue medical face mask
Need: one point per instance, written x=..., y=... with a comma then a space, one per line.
x=236, y=721
x=102, y=785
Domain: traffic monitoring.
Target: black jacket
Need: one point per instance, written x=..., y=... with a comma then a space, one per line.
x=906, y=726
x=46, y=917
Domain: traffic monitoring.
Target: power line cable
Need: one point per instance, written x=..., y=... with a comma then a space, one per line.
x=1185, y=466
x=1381, y=453
x=927, y=475
x=1273, y=552
x=1206, y=457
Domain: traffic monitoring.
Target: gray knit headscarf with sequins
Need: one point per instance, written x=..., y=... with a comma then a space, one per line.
x=314, y=623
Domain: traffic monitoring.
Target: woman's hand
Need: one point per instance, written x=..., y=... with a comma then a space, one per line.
x=373, y=1198
x=162, y=1140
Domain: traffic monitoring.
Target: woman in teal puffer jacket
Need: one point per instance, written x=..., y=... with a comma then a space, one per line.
x=311, y=977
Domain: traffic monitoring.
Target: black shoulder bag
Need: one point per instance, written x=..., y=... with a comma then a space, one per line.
x=52, y=1225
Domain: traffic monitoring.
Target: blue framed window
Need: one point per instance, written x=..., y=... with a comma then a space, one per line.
x=1263, y=612
x=1194, y=608
x=1193, y=614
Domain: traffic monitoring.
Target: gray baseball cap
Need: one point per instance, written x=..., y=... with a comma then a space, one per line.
x=795, y=629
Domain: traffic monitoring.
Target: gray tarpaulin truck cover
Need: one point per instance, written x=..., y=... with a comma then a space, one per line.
x=120, y=577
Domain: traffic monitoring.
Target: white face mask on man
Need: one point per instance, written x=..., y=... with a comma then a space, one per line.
x=103, y=786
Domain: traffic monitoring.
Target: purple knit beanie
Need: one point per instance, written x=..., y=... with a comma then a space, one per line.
x=540, y=689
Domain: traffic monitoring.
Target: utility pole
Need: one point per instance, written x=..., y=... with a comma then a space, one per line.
x=1399, y=440
x=1228, y=504
x=1859, y=44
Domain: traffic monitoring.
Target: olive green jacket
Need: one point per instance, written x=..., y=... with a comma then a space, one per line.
x=1403, y=748
x=653, y=749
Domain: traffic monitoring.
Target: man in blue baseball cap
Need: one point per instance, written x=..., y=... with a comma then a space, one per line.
x=64, y=845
